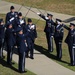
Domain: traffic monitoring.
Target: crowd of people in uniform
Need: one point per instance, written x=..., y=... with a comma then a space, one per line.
x=16, y=32
x=56, y=30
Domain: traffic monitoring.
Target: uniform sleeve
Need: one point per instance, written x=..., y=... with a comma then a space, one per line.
x=7, y=18
x=26, y=31
x=66, y=27
x=35, y=32
x=53, y=27
x=73, y=39
x=43, y=17
x=26, y=34
x=16, y=15
x=24, y=22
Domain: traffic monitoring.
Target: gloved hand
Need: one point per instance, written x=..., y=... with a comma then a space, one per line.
x=38, y=13
x=52, y=36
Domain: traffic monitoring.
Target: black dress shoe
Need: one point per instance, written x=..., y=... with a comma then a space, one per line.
x=72, y=64
x=27, y=56
x=9, y=64
x=22, y=71
x=31, y=58
x=12, y=63
x=49, y=51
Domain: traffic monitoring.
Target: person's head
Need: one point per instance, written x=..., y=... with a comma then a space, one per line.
x=10, y=26
x=12, y=8
x=72, y=25
x=19, y=30
x=29, y=21
x=49, y=16
x=1, y=22
x=20, y=15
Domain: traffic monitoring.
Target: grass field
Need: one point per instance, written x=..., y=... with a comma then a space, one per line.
x=60, y=6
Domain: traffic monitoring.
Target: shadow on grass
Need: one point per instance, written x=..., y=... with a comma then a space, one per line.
x=4, y=63
x=43, y=51
x=48, y=54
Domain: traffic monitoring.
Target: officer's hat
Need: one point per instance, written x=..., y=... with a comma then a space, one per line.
x=49, y=15
x=1, y=20
x=58, y=20
x=8, y=24
x=72, y=24
x=19, y=14
x=29, y=20
x=12, y=7
x=19, y=29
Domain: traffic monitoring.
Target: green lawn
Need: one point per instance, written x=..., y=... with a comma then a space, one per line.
x=60, y=6
x=11, y=70
x=41, y=45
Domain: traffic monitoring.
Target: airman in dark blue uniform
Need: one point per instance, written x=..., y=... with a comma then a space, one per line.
x=70, y=40
x=49, y=30
x=21, y=43
x=31, y=37
x=20, y=21
x=2, y=34
x=11, y=16
x=58, y=37
x=10, y=41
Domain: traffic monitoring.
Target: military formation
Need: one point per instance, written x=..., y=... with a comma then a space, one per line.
x=56, y=30
x=17, y=33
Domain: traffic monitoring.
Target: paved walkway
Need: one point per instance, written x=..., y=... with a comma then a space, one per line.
x=41, y=65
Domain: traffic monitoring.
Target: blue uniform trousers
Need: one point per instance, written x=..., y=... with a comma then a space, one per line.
x=49, y=42
x=21, y=61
